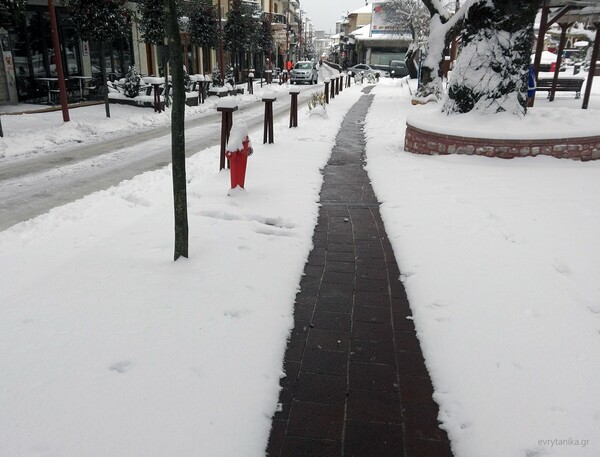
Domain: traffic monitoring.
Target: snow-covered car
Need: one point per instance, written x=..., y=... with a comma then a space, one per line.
x=364, y=69
x=304, y=72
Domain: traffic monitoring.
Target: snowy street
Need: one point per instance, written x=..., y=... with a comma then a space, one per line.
x=109, y=348
x=61, y=163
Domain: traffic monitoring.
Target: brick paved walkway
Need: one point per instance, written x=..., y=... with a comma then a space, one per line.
x=356, y=381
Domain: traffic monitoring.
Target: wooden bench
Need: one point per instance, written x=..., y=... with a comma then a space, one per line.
x=562, y=85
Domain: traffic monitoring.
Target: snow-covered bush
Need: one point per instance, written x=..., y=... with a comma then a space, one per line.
x=229, y=78
x=317, y=105
x=132, y=83
x=216, y=76
x=316, y=99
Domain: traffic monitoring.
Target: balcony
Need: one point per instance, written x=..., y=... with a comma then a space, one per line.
x=276, y=18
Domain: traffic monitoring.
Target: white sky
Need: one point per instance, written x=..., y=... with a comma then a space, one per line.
x=324, y=14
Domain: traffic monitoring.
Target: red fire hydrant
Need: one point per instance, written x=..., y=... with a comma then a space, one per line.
x=239, y=148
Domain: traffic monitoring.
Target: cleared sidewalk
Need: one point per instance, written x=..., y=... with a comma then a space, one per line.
x=356, y=381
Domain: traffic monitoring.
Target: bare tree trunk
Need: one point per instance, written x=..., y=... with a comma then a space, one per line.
x=492, y=70
x=177, y=131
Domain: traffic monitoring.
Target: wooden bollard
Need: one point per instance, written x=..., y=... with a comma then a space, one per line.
x=327, y=81
x=268, y=129
x=226, y=107
x=294, y=107
x=332, y=88
x=337, y=84
x=251, y=82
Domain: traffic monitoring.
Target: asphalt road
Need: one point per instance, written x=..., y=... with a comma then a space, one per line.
x=32, y=187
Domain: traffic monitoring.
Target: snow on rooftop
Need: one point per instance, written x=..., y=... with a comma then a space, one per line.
x=362, y=31
x=367, y=9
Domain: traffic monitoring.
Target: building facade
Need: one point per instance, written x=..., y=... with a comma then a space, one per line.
x=28, y=50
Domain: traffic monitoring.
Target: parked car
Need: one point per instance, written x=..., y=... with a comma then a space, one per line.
x=398, y=69
x=304, y=72
x=384, y=70
x=365, y=69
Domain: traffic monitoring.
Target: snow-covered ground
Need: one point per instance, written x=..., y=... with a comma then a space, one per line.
x=28, y=135
x=110, y=348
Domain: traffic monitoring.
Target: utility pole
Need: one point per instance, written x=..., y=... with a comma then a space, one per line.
x=287, y=33
x=271, y=22
x=300, y=37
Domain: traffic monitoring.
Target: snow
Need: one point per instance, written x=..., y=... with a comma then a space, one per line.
x=500, y=260
x=110, y=348
x=237, y=135
x=153, y=80
x=26, y=136
x=546, y=57
x=227, y=103
x=506, y=125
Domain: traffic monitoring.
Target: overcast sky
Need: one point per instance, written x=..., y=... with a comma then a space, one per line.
x=325, y=13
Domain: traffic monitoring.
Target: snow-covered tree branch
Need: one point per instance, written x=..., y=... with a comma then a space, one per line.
x=443, y=28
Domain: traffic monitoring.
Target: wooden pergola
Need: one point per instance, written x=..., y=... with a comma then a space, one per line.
x=565, y=13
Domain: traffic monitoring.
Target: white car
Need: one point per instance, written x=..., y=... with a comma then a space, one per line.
x=365, y=69
x=304, y=72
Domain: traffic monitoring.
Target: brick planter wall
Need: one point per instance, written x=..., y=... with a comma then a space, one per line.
x=431, y=143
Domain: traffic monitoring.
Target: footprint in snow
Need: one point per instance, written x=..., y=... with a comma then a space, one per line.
x=121, y=367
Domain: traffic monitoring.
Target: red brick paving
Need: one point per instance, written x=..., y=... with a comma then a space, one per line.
x=356, y=383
